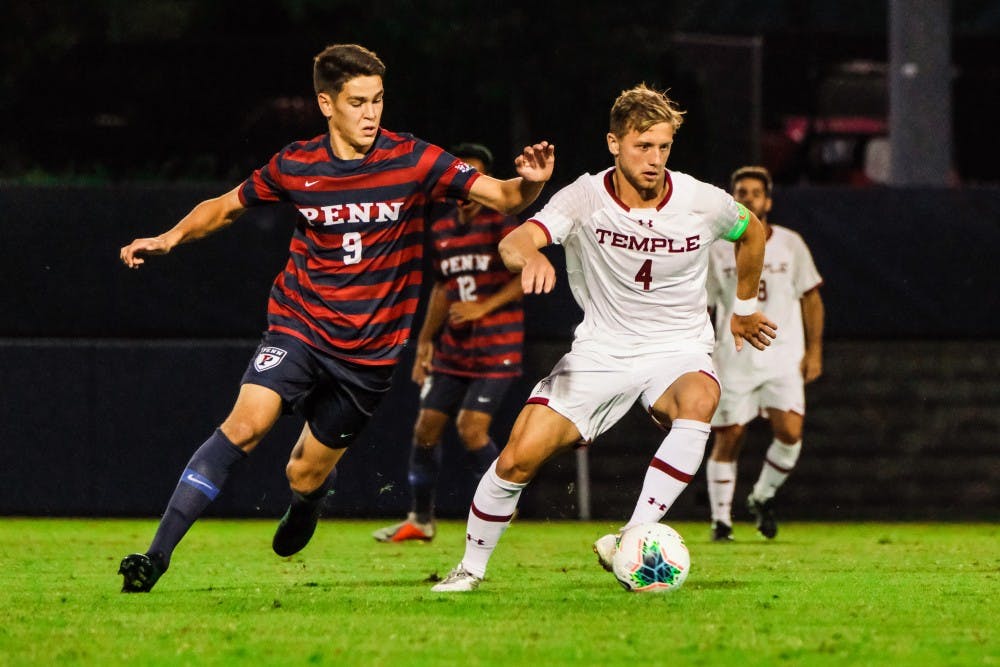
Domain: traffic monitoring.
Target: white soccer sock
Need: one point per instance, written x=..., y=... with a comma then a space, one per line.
x=721, y=477
x=778, y=464
x=492, y=509
x=670, y=471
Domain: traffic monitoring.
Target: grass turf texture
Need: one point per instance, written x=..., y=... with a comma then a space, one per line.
x=820, y=594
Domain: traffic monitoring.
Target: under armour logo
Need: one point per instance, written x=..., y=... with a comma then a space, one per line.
x=474, y=540
x=660, y=506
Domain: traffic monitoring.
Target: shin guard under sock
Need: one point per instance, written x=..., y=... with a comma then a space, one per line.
x=672, y=468
x=491, y=512
x=425, y=466
x=199, y=484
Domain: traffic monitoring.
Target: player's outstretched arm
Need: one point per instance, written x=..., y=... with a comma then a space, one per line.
x=207, y=217
x=748, y=323
x=534, y=167
x=520, y=253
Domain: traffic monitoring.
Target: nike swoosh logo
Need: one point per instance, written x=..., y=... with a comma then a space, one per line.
x=309, y=184
x=194, y=480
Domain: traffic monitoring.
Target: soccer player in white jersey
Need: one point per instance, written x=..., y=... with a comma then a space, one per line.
x=637, y=238
x=769, y=384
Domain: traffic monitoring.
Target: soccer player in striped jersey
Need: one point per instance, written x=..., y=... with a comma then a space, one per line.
x=772, y=384
x=476, y=308
x=637, y=238
x=342, y=308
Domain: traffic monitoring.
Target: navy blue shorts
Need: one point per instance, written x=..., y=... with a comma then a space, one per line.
x=334, y=396
x=447, y=393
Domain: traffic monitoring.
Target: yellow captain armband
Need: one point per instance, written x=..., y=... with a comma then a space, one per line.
x=741, y=223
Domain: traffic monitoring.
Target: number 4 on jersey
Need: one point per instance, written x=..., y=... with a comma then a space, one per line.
x=645, y=274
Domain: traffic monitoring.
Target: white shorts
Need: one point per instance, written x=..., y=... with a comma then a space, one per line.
x=594, y=390
x=744, y=399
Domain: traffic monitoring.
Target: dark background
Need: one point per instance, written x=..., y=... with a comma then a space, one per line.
x=180, y=90
x=116, y=118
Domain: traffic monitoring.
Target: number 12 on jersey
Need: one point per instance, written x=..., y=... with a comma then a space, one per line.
x=466, y=288
x=645, y=274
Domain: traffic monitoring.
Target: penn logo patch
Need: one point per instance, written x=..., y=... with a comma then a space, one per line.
x=268, y=358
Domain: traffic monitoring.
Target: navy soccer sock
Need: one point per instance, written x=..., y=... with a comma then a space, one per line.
x=480, y=459
x=200, y=483
x=309, y=503
x=425, y=465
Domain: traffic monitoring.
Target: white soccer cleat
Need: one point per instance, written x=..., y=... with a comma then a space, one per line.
x=458, y=580
x=605, y=548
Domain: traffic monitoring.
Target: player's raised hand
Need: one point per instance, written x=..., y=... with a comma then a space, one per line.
x=755, y=328
x=535, y=163
x=132, y=254
x=538, y=276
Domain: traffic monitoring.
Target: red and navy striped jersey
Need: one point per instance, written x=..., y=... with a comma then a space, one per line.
x=352, y=281
x=467, y=261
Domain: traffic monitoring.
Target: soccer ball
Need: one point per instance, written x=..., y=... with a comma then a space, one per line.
x=651, y=557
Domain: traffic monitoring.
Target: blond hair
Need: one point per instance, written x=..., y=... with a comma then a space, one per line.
x=640, y=108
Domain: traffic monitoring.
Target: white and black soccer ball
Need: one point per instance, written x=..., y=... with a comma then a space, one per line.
x=651, y=557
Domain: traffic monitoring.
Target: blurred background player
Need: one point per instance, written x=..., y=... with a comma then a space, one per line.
x=341, y=310
x=768, y=384
x=477, y=301
x=637, y=238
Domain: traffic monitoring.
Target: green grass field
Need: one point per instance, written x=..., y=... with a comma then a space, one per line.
x=821, y=594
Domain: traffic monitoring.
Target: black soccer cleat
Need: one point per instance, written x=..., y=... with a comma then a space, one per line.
x=295, y=529
x=141, y=572
x=764, y=513
x=722, y=532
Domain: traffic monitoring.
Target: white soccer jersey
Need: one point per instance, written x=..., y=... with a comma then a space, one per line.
x=789, y=272
x=639, y=274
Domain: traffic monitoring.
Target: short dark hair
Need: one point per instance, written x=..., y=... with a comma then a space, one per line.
x=337, y=64
x=468, y=149
x=753, y=171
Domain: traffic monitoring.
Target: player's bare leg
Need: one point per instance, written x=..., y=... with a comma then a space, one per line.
x=473, y=428
x=779, y=462
x=310, y=474
x=720, y=473
x=538, y=434
x=425, y=465
x=255, y=412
